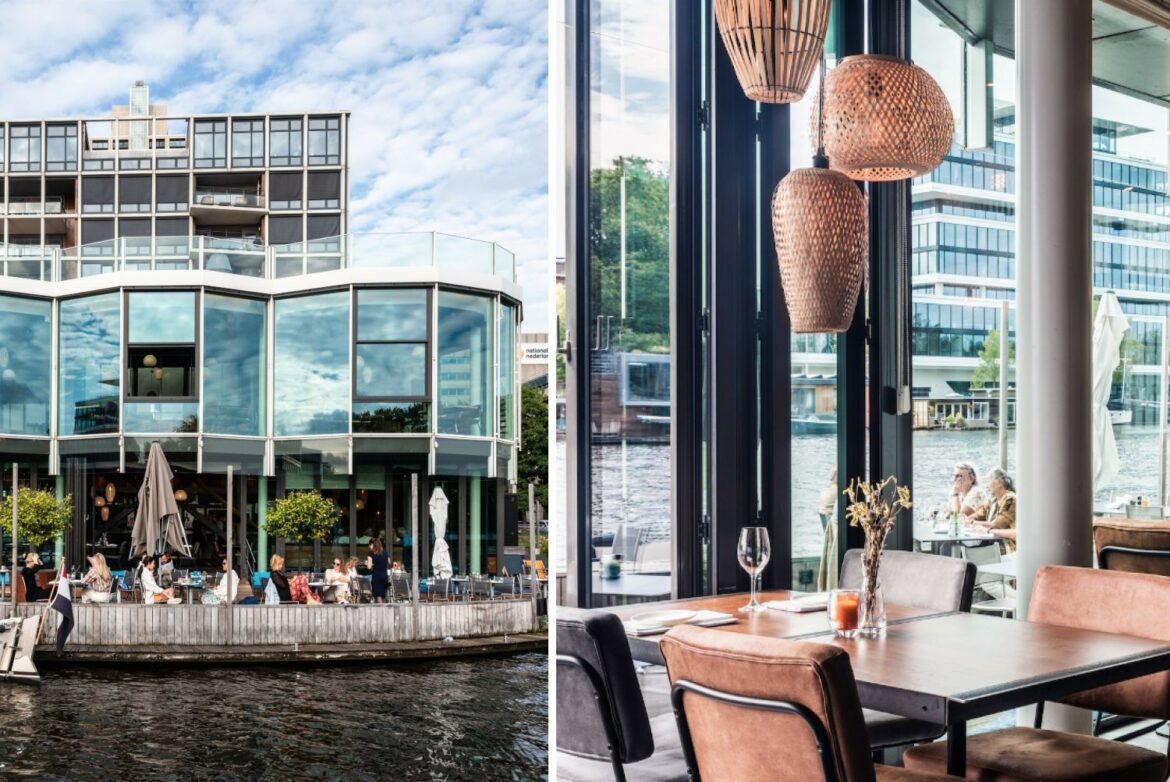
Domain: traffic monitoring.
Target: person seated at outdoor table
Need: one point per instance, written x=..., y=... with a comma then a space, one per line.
x=967, y=496
x=278, y=578
x=151, y=591
x=351, y=567
x=228, y=586
x=99, y=581
x=32, y=566
x=166, y=567
x=999, y=518
x=378, y=563
x=301, y=592
x=337, y=579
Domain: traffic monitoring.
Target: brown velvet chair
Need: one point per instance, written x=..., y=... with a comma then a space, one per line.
x=1134, y=546
x=1129, y=603
x=752, y=708
x=923, y=581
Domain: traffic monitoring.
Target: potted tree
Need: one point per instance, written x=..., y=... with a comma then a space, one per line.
x=40, y=516
x=302, y=516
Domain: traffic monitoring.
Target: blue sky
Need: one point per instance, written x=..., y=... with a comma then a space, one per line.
x=449, y=129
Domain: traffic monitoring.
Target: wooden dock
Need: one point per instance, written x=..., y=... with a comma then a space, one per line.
x=287, y=633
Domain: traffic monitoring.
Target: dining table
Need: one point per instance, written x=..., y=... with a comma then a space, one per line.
x=943, y=667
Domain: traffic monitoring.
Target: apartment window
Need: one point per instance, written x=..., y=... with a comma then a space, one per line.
x=61, y=148
x=248, y=142
x=171, y=193
x=323, y=231
x=170, y=236
x=134, y=164
x=136, y=237
x=285, y=230
x=325, y=190
x=1, y=147
x=97, y=194
x=285, y=191
x=98, y=164
x=211, y=144
x=134, y=194
x=284, y=136
x=324, y=141
x=95, y=231
x=24, y=148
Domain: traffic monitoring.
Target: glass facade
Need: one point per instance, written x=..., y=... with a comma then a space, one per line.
x=25, y=365
x=234, y=377
x=506, y=372
x=465, y=376
x=312, y=386
x=90, y=348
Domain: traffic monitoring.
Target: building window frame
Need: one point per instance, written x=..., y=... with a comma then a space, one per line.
x=194, y=382
x=425, y=397
x=288, y=130
x=325, y=131
x=61, y=147
x=29, y=138
x=213, y=132
x=250, y=133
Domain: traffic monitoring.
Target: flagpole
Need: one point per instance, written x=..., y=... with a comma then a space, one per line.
x=52, y=596
x=15, y=547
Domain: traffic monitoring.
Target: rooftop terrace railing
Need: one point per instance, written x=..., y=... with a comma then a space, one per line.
x=228, y=196
x=32, y=205
x=252, y=258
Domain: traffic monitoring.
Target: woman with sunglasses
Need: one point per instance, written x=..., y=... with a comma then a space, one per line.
x=337, y=580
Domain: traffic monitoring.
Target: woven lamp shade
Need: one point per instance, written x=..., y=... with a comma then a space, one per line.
x=774, y=45
x=822, y=243
x=885, y=119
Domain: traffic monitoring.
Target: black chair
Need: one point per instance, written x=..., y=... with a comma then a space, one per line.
x=926, y=581
x=602, y=723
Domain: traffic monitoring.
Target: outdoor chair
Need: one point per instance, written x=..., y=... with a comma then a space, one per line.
x=399, y=588
x=756, y=708
x=626, y=542
x=480, y=588
x=926, y=581
x=439, y=589
x=127, y=586
x=1135, y=604
x=999, y=600
x=1145, y=512
x=607, y=726
x=505, y=589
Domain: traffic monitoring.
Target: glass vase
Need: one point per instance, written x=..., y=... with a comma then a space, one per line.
x=872, y=615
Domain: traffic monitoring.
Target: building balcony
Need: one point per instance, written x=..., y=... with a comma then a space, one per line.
x=228, y=205
x=252, y=258
x=32, y=206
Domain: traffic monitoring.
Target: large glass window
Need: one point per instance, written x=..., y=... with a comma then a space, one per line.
x=324, y=189
x=97, y=194
x=234, y=365
x=248, y=142
x=285, y=137
x=161, y=349
x=24, y=148
x=506, y=379
x=312, y=365
x=285, y=190
x=324, y=141
x=134, y=194
x=211, y=144
x=61, y=148
x=391, y=370
x=25, y=368
x=89, y=347
x=628, y=337
x=172, y=193
x=465, y=376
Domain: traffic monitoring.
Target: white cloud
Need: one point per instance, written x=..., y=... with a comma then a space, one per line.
x=449, y=97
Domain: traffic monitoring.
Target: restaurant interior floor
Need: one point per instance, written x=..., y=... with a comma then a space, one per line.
x=656, y=693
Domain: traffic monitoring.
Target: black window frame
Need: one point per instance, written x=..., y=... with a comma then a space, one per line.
x=194, y=380
x=216, y=130
x=253, y=130
x=30, y=162
x=289, y=127
x=331, y=128
x=357, y=340
x=65, y=136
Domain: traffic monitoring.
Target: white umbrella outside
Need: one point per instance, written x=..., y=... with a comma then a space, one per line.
x=156, y=503
x=441, y=558
x=1109, y=327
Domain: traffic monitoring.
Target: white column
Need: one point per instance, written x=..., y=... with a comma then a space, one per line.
x=1054, y=292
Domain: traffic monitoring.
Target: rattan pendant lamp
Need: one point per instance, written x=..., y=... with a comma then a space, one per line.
x=820, y=224
x=886, y=119
x=774, y=45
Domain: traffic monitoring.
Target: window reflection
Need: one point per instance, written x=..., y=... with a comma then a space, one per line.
x=506, y=382
x=312, y=365
x=24, y=365
x=234, y=361
x=465, y=347
x=90, y=353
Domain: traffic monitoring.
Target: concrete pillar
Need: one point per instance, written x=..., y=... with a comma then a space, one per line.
x=59, y=543
x=475, y=509
x=1054, y=291
x=261, y=521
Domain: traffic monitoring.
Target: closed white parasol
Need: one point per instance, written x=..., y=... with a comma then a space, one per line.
x=1109, y=327
x=441, y=558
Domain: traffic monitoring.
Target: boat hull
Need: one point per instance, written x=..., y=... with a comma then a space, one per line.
x=18, y=637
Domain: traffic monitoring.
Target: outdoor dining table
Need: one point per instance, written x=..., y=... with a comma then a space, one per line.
x=947, y=668
x=190, y=588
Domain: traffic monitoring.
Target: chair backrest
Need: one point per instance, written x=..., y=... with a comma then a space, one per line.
x=439, y=586
x=728, y=739
x=400, y=586
x=598, y=640
x=626, y=541
x=1149, y=512
x=481, y=586
x=921, y=580
x=1133, y=546
x=1110, y=601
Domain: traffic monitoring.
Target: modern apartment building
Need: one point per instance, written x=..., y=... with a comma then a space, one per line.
x=192, y=280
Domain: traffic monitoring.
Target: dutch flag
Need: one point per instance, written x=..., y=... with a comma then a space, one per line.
x=63, y=605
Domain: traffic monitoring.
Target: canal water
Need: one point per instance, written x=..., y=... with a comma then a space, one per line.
x=631, y=482
x=483, y=718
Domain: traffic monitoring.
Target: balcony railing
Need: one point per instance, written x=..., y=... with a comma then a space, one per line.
x=228, y=196
x=32, y=206
x=251, y=258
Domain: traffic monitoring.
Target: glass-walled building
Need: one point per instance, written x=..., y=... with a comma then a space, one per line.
x=302, y=357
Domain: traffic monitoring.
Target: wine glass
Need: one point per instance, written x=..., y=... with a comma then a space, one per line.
x=754, y=551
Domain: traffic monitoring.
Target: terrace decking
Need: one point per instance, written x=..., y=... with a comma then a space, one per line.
x=260, y=633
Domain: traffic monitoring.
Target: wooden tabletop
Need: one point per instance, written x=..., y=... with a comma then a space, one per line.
x=772, y=623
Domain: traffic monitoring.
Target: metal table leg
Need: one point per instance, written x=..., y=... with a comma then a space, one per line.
x=957, y=749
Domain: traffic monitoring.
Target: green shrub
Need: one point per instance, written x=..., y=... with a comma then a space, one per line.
x=40, y=515
x=301, y=516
